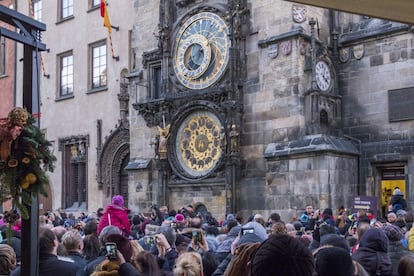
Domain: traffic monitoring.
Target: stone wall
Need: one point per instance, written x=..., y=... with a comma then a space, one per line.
x=366, y=85
x=274, y=114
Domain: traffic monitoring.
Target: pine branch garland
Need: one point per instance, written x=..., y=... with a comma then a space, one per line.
x=28, y=160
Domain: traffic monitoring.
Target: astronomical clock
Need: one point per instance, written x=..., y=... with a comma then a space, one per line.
x=200, y=60
x=198, y=106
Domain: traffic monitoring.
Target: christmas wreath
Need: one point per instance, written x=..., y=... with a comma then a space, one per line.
x=25, y=159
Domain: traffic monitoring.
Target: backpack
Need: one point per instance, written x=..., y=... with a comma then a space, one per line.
x=396, y=207
x=240, y=262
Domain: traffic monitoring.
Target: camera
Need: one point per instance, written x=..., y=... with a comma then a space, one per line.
x=111, y=250
x=197, y=236
x=152, y=240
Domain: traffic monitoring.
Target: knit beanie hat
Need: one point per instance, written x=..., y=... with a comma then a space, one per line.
x=335, y=240
x=282, y=255
x=179, y=218
x=118, y=200
x=298, y=225
x=122, y=244
x=394, y=233
x=333, y=261
x=397, y=191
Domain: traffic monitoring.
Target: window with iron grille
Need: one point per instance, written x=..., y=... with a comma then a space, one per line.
x=74, y=168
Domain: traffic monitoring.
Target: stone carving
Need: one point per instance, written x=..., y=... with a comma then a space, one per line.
x=234, y=139
x=163, y=139
x=358, y=51
x=273, y=51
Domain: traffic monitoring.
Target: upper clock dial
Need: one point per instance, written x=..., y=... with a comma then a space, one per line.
x=323, y=76
x=201, y=50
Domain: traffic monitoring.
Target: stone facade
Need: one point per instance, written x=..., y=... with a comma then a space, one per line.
x=295, y=144
x=88, y=117
x=276, y=172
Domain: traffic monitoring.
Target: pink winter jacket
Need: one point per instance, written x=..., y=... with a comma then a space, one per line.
x=117, y=216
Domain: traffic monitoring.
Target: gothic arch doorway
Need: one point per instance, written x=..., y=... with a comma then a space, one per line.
x=113, y=158
x=123, y=180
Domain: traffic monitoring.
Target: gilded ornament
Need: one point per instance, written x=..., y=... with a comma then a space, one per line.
x=18, y=116
x=23, y=147
x=25, y=185
x=31, y=178
x=164, y=134
x=26, y=160
x=13, y=163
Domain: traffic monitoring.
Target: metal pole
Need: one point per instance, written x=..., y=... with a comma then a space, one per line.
x=30, y=249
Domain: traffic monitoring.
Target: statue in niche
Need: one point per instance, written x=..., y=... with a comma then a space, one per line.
x=223, y=142
x=156, y=143
x=234, y=137
x=164, y=134
x=238, y=20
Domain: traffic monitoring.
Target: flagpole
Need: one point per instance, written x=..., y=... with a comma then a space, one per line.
x=107, y=24
x=31, y=11
x=112, y=48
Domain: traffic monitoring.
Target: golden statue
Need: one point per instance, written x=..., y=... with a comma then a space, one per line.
x=164, y=134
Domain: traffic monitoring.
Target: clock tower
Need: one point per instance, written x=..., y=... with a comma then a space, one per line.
x=322, y=101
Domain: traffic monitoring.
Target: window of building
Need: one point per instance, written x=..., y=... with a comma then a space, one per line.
x=74, y=167
x=66, y=8
x=66, y=75
x=2, y=56
x=152, y=61
x=37, y=10
x=95, y=3
x=98, y=62
x=156, y=82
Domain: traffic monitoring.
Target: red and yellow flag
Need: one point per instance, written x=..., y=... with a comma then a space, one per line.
x=104, y=14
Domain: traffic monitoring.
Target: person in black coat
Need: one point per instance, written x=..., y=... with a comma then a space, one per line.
x=372, y=253
x=73, y=243
x=49, y=264
x=397, y=201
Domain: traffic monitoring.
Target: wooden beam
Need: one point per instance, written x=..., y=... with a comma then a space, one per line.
x=394, y=10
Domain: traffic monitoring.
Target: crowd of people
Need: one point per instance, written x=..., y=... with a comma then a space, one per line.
x=113, y=241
